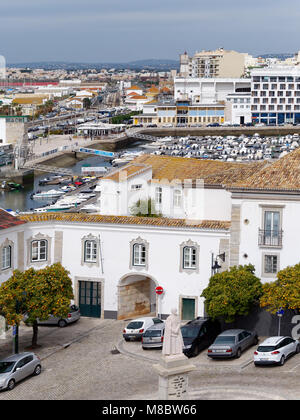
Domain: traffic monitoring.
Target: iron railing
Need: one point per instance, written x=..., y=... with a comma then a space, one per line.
x=270, y=237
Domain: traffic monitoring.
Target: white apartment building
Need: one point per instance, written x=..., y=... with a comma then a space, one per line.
x=276, y=95
x=208, y=91
x=218, y=63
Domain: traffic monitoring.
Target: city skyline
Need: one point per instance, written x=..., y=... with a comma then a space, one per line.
x=102, y=31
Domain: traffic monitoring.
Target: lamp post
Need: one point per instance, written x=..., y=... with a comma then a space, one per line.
x=215, y=266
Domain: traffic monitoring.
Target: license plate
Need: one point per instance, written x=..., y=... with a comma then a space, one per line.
x=263, y=358
x=219, y=351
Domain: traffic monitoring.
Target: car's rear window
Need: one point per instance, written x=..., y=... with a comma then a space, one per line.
x=225, y=339
x=266, y=348
x=153, y=333
x=134, y=325
x=74, y=308
x=190, y=332
x=6, y=366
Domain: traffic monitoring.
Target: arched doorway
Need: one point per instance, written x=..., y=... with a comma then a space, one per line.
x=136, y=296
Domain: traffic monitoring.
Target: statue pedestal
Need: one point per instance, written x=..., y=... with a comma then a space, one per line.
x=173, y=373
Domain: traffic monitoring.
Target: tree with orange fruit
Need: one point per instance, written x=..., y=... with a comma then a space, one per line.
x=38, y=294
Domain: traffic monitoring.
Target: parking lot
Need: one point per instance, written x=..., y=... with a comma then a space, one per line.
x=81, y=362
x=202, y=361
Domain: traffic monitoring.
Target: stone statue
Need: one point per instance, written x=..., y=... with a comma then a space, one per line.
x=173, y=342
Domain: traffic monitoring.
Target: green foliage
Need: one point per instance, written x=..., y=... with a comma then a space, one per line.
x=38, y=293
x=119, y=119
x=232, y=293
x=145, y=208
x=284, y=292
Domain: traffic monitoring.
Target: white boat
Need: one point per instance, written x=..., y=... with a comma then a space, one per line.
x=48, y=194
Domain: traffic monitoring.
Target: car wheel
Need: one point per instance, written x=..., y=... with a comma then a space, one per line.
x=298, y=349
x=195, y=351
x=37, y=370
x=255, y=341
x=62, y=323
x=238, y=353
x=11, y=384
x=127, y=339
x=282, y=361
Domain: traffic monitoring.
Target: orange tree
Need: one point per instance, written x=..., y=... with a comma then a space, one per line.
x=232, y=293
x=39, y=293
x=284, y=292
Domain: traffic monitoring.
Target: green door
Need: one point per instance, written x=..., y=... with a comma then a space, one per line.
x=188, y=309
x=90, y=299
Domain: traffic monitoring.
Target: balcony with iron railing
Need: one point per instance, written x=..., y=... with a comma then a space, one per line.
x=270, y=238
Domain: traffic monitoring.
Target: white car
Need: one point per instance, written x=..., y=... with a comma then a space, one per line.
x=275, y=350
x=136, y=328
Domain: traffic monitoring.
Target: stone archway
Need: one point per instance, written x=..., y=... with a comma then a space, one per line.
x=136, y=296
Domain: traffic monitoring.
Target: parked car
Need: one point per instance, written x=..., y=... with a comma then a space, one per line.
x=213, y=125
x=198, y=334
x=153, y=337
x=72, y=316
x=136, y=328
x=231, y=343
x=17, y=367
x=275, y=350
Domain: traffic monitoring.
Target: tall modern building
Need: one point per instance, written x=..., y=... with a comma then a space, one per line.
x=218, y=63
x=275, y=95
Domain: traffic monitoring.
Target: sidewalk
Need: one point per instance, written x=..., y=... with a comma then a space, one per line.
x=51, y=338
x=134, y=349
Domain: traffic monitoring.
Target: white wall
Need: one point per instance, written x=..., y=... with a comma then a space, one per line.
x=3, y=130
x=164, y=257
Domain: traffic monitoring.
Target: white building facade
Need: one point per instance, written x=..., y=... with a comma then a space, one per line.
x=249, y=213
x=208, y=90
x=276, y=95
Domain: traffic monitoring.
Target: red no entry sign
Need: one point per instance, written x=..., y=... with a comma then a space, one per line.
x=159, y=290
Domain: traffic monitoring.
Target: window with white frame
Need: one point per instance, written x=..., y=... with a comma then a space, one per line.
x=90, y=251
x=39, y=250
x=158, y=195
x=270, y=264
x=6, y=257
x=177, y=198
x=139, y=255
x=189, y=257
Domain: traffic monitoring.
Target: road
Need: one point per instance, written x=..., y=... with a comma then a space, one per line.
x=78, y=364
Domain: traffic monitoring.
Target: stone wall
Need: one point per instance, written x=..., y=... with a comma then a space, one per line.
x=134, y=299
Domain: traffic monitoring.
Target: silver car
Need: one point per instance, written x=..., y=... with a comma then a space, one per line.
x=231, y=343
x=153, y=337
x=72, y=316
x=17, y=367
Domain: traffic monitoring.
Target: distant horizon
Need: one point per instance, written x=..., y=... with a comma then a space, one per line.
x=130, y=61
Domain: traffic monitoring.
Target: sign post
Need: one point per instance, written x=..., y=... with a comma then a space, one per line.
x=159, y=291
x=279, y=313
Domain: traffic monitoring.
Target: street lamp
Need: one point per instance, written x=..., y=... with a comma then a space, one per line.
x=215, y=266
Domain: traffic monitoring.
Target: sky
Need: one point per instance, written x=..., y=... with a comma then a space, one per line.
x=127, y=30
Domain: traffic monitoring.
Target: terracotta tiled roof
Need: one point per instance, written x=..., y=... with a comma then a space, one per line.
x=126, y=220
x=127, y=171
x=7, y=220
x=135, y=87
x=211, y=171
x=283, y=174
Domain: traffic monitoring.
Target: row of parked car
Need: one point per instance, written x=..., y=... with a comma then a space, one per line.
x=204, y=333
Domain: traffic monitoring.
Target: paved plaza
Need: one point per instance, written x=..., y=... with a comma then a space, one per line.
x=81, y=362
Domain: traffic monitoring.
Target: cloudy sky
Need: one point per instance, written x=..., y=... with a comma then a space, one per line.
x=126, y=30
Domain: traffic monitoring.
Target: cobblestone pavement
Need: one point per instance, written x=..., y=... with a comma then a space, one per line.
x=78, y=363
